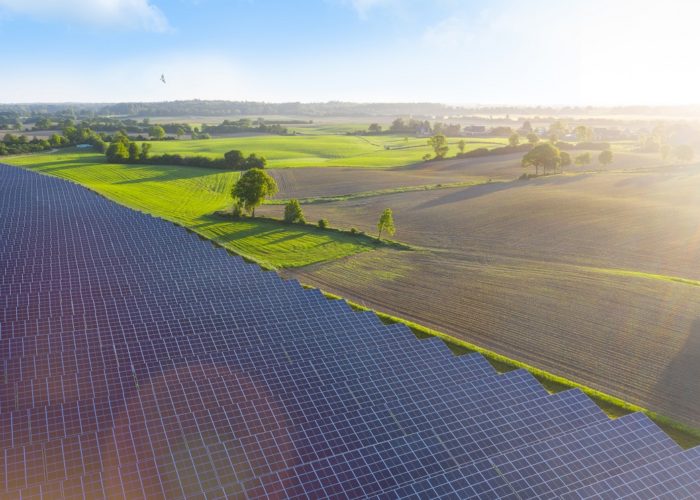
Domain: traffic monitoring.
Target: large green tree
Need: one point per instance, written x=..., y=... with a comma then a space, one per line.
x=252, y=188
x=386, y=223
x=543, y=155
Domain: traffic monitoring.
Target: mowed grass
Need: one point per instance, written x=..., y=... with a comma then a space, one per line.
x=188, y=196
x=321, y=150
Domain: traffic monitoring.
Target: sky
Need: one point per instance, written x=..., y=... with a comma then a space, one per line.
x=512, y=52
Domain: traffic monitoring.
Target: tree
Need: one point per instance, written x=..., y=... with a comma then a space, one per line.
x=252, y=188
x=543, y=155
x=42, y=124
x=254, y=161
x=526, y=128
x=665, y=151
x=514, y=140
x=156, y=132
x=386, y=223
x=234, y=159
x=118, y=152
x=439, y=144
x=323, y=223
x=564, y=160
x=71, y=134
x=134, y=153
x=684, y=152
x=293, y=212
x=605, y=157
x=583, y=159
x=179, y=132
x=375, y=128
x=532, y=138
x=461, y=145
x=583, y=133
x=57, y=140
x=557, y=128
x=145, y=151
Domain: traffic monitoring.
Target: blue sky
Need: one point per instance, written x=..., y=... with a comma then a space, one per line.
x=455, y=51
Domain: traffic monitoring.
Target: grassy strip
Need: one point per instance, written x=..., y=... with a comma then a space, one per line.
x=378, y=192
x=650, y=276
x=684, y=435
x=361, y=236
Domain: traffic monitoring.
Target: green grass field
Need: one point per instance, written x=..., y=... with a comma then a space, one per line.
x=320, y=150
x=188, y=196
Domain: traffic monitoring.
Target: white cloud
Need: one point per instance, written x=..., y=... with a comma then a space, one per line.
x=130, y=14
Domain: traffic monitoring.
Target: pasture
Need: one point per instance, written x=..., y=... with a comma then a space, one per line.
x=319, y=150
x=188, y=196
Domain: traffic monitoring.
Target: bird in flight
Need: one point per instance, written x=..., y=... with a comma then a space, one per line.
x=162, y=78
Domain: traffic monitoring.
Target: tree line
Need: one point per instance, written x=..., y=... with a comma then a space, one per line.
x=255, y=186
x=70, y=136
x=123, y=150
x=549, y=157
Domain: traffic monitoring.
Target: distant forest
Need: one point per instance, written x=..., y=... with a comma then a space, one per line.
x=232, y=108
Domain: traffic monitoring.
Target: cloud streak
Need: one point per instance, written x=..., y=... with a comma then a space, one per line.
x=128, y=14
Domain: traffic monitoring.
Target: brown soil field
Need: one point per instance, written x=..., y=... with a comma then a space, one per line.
x=546, y=271
x=315, y=182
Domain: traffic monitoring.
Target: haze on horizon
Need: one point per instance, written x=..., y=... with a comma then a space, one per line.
x=451, y=51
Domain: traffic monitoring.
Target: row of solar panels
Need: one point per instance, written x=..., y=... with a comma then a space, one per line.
x=140, y=361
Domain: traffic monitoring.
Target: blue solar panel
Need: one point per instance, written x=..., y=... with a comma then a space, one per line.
x=138, y=360
x=673, y=477
x=557, y=466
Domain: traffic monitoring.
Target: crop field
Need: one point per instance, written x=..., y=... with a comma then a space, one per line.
x=319, y=182
x=188, y=196
x=595, y=276
x=319, y=150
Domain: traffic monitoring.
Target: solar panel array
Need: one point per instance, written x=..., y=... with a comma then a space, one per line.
x=140, y=361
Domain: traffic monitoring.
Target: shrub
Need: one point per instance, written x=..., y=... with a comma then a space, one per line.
x=353, y=230
x=237, y=210
x=323, y=223
x=293, y=212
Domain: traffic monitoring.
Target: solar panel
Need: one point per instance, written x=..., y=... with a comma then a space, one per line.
x=557, y=466
x=673, y=477
x=138, y=360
